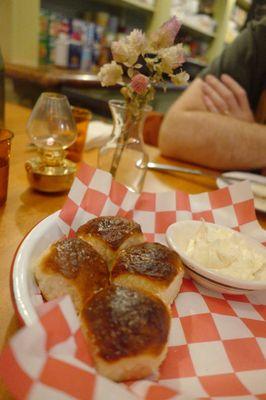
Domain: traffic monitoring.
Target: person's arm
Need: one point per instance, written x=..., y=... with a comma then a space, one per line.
x=217, y=113
x=191, y=133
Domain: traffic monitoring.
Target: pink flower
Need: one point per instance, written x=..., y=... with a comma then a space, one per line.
x=139, y=83
x=165, y=36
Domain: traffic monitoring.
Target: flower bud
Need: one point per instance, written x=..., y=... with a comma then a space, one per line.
x=139, y=83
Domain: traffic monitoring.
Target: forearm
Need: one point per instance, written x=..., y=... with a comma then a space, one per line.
x=213, y=140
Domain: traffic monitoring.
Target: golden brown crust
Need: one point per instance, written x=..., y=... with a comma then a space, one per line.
x=152, y=260
x=124, y=322
x=77, y=261
x=113, y=230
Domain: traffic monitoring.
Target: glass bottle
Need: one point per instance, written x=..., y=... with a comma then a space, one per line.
x=123, y=155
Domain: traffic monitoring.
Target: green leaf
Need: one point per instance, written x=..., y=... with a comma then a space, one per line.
x=130, y=72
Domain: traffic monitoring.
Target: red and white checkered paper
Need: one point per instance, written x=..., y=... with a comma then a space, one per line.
x=217, y=342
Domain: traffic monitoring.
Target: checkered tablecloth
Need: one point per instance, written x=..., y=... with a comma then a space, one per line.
x=217, y=343
x=95, y=193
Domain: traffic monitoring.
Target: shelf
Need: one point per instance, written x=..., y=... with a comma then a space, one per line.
x=195, y=29
x=47, y=76
x=245, y=4
x=133, y=4
x=139, y=4
x=196, y=61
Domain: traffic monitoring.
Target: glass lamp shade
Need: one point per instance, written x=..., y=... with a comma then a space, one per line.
x=51, y=127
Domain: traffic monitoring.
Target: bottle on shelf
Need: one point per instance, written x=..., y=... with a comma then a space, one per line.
x=76, y=43
x=74, y=55
x=62, y=50
x=86, y=57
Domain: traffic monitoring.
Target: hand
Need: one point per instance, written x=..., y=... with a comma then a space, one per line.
x=226, y=96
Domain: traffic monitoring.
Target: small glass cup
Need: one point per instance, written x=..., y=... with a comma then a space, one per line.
x=5, y=146
x=82, y=118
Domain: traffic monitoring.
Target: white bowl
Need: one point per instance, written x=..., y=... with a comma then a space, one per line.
x=178, y=236
x=24, y=290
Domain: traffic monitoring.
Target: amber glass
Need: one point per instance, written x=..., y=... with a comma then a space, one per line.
x=5, y=145
x=82, y=118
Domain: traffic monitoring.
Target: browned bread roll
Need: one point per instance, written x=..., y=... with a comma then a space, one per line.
x=127, y=331
x=110, y=234
x=149, y=266
x=71, y=267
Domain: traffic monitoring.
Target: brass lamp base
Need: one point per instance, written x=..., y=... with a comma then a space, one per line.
x=50, y=179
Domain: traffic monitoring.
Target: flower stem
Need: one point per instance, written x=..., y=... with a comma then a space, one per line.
x=122, y=141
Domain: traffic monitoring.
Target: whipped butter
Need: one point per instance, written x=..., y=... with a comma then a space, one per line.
x=220, y=250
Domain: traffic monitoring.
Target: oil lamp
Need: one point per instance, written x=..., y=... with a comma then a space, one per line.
x=51, y=129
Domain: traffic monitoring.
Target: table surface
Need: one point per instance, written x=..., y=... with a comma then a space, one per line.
x=25, y=207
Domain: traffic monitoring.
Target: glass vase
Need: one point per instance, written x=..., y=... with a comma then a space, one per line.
x=123, y=155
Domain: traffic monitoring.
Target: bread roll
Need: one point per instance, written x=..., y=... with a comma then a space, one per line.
x=71, y=267
x=127, y=331
x=149, y=266
x=109, y=234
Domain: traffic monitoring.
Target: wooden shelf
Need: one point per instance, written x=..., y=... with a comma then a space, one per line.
x=49, y=76
x=196, y=61
x=197, y=30
x=245, y=4
x=20, y=45
x=133, y=4
x=139, y=4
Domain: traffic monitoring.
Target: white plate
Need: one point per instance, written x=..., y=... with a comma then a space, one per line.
x=26, y=295
x=259, y=200
x=25, y=292
x=178, y=236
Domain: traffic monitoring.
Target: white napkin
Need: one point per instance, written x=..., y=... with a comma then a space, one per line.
x=97, y=134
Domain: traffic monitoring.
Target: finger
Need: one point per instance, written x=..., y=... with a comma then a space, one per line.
x=215, y=97
x=209, y=104
x=226, y=94
x=239, y=92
